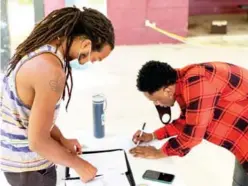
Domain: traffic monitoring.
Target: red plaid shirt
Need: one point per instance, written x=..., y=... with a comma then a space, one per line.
x=213, y=98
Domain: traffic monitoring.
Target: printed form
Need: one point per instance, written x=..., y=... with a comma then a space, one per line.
x=112, y=165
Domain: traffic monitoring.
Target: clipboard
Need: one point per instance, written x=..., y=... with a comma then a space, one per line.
x=129, y=173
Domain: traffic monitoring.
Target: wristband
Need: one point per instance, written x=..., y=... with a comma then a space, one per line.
x=153, y=136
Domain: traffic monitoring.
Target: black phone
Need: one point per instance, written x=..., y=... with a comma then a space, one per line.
x=158, y=176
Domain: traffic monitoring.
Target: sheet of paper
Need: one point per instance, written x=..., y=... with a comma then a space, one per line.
x=95, y=182
x=107, y=180
x=106, y=163
x=120, y=142
x=115, y=179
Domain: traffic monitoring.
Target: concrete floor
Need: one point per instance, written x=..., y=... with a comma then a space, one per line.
x=127, y=108
x=206, y=164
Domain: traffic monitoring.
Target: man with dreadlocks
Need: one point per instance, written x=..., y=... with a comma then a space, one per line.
x=35, y=82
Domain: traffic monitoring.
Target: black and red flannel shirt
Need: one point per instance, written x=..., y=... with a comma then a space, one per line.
x=213, y=98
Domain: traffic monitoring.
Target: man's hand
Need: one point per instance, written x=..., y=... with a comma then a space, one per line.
x=72, y=145
x=146, y=137
x=148, y=152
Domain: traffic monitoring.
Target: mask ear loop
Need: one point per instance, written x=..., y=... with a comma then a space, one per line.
x=79, y=56
x=79, y=52
x=89, y=55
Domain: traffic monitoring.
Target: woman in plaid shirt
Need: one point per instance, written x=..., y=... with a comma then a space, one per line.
x=214, y=106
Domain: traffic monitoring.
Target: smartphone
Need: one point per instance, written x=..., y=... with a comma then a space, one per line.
x=158, y=176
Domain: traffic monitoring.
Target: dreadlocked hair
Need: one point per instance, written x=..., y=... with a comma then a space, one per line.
x=68, y=22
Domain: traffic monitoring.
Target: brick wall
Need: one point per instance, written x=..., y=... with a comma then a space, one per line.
x=200, y=7
x=129, y=18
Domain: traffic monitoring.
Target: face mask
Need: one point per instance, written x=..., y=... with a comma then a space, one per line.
x=164, y=114
x=77, y=66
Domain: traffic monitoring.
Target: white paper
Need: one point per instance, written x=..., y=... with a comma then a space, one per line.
x=95, y=182
x=106, y=162
x=107, y=180
x=115, y=179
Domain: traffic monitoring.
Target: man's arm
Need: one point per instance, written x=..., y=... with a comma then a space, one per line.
x=70, y=144
x=56, y=134
x=48, y=83
x=200, y=97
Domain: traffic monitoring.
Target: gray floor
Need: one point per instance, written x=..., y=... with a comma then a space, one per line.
x=206, y=165
x=127, y=108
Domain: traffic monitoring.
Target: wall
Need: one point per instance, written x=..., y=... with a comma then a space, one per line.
x=129, y=18
x=50, y=5
x=200, y=7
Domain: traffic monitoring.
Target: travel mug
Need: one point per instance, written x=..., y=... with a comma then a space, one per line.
x=99, y=107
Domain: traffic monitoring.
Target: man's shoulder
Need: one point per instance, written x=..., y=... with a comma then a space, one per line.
x=47, y=60
x=43, y=67
x=192, y=70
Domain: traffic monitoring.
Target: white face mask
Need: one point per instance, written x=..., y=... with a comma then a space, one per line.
x=76, y=65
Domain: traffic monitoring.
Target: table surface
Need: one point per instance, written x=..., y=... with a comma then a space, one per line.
x=138, y=165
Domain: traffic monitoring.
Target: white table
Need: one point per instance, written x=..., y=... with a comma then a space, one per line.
x=138, y=165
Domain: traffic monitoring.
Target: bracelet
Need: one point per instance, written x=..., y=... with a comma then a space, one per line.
x=153, y=136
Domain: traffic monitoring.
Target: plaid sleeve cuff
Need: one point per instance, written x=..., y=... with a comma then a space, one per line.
x=160, y=133
x=166, y=131
x=166, y=150
x=170, y=151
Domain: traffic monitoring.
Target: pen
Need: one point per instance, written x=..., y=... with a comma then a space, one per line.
x=142, y=131
x=78, y=178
